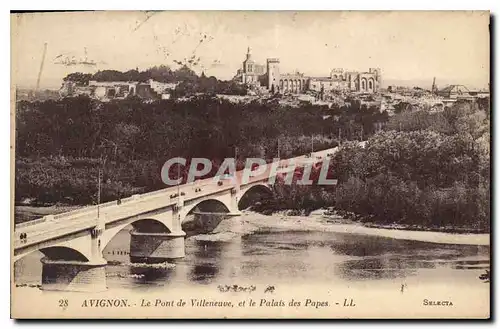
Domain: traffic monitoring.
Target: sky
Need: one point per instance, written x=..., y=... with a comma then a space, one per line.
x=409, y=47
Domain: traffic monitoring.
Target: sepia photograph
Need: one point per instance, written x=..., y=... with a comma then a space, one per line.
x=250, y=164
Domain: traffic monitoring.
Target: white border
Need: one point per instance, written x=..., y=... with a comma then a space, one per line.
x=492, y=5
x=255, y=5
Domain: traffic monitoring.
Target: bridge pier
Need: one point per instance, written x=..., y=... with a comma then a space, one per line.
x=156, y=247
x=63, y=275
x=76, y=274
x=234, y=211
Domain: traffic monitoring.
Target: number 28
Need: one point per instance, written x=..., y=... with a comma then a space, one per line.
x=63, y=303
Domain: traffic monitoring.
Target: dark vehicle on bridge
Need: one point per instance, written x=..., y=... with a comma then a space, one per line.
x=176, y=195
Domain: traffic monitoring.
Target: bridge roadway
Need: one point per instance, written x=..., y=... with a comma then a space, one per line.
x=50, y=227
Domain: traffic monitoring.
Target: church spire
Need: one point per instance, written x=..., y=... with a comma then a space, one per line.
x=248, y=53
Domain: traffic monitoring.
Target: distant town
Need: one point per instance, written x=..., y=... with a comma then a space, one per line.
x=255, y=81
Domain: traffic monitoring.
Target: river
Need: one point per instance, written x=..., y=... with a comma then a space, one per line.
x=273, y=255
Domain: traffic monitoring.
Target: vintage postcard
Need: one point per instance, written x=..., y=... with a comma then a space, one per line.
x=250, y=164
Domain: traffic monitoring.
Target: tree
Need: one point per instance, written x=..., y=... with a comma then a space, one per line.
x=80, y=79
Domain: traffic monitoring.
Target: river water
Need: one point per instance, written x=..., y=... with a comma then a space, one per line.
x=288, y=256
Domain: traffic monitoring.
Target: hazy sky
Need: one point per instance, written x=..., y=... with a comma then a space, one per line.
x=417, y=46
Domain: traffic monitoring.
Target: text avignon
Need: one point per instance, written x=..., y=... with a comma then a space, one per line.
x=105, y=303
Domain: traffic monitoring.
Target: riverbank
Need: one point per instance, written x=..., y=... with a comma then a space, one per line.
x=365, y=221
x=251, y=222
x=319, y=220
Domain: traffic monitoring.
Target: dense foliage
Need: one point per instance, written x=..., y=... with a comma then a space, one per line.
x=188, y=82
x=160, y=73
x=426, y=169
x=423, y=168
x=59, y=143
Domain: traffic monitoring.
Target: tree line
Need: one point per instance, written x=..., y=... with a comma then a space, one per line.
x=426, y=170
x=161, y=73
x=188, y=82
x=418, y=168
x=60, y=144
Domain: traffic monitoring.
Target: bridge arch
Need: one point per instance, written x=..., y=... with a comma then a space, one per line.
x=208, y=205
x=56, y=253
x=254, y=194
x=63, y=253
x=149, y=225
x=144, y=225
x=204, y=217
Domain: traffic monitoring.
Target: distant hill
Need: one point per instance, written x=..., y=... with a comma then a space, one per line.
x=427, y=83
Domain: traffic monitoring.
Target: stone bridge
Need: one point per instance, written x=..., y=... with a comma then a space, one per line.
x=72, y=242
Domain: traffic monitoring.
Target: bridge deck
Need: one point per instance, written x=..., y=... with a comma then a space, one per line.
x=50, y=227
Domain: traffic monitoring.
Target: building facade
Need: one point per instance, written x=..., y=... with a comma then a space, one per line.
x=251, y=73
x=453, y=92
x=270, y=77
x=108, y=90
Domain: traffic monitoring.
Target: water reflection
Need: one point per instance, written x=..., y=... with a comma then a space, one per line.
x=267, y=242
x=471, y=264
x=208, y=249
x=353, y=257
x=378, y=268
x=144, y=275
x=203, y=272
x=274, y=257
x=205, y=260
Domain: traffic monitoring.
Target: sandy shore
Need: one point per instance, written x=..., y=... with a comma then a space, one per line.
x=250, y=222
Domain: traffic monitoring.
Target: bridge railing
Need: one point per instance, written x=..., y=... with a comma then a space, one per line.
x=84, y=210
x=157, y=192
x=90, y=209
x=138, y=197
x=30, y=223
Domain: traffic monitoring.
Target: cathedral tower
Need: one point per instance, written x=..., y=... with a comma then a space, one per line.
x=273, y=74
